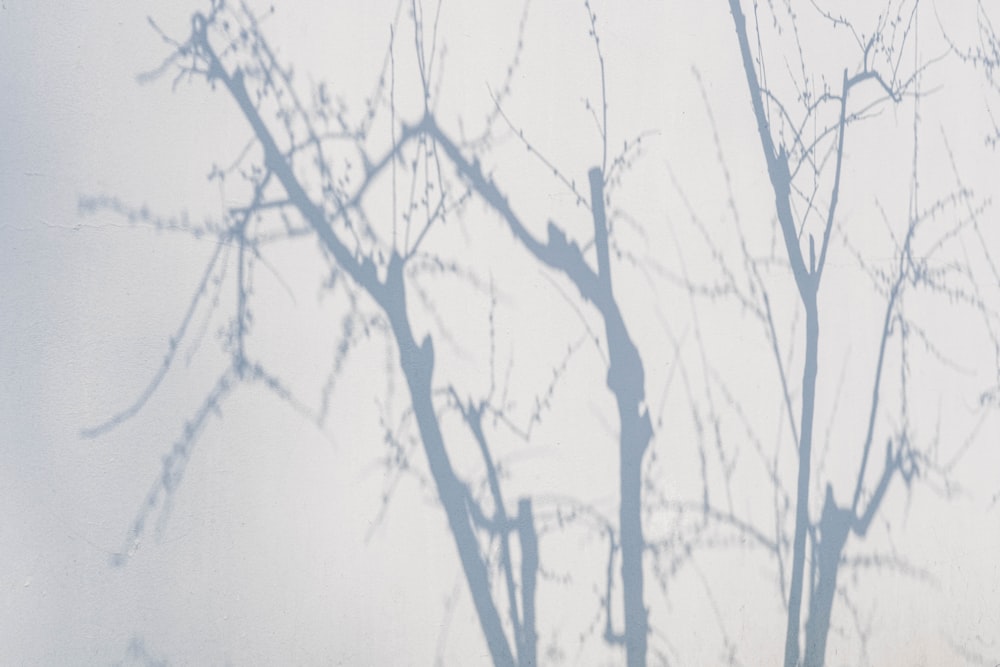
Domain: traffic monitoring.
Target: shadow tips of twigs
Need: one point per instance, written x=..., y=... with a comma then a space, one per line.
x=976, y=655
x=168, y=359
x=352, y=329
x=450, y=605
x=602, y=123
x=396, y=464
x=179, y=51
x=174, y=465
x=142, y=215
x=485, y=138
x=139, y=654
x=570, y=184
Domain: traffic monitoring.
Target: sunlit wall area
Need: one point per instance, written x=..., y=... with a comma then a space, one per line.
x=485, y=333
